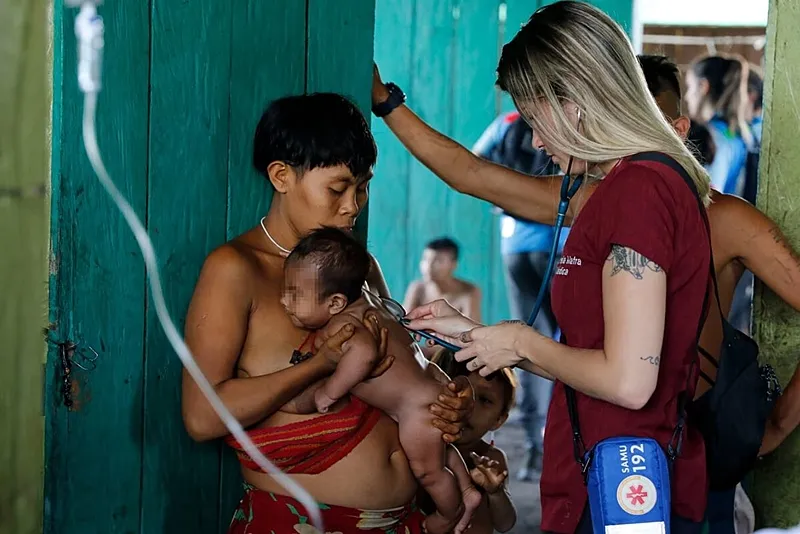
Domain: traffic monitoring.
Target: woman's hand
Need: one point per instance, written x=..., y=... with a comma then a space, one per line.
x=488, y=474
x=381, y=335
x=379, y=92
x=441, y=318
x=453, y=408
x=492, y=347
x=334, y=347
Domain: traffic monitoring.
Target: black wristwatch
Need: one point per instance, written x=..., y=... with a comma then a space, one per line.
x=396, y=97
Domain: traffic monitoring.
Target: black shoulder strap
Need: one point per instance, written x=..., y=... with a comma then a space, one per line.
x=674, y=165
x=686, y=396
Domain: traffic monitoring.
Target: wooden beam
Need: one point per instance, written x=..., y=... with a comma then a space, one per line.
x=776, y=486
x=24, y=207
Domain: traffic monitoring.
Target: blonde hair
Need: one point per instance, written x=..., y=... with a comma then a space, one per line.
x=573, y=52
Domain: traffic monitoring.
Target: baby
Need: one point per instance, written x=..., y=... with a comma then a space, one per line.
x=323, y=280
x=494, y=399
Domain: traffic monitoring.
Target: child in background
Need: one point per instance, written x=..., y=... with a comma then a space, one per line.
x=437, y=266
x=494, y=398
x=323, y=280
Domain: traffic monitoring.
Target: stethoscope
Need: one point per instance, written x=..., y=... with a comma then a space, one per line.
x=569, y=187
x=396, y=310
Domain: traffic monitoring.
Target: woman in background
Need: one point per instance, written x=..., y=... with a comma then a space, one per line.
x=716, y=95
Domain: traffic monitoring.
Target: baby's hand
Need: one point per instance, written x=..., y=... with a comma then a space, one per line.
x=488, y=473
x=322, y=401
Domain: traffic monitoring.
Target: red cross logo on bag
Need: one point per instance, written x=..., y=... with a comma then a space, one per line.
x=636, y=495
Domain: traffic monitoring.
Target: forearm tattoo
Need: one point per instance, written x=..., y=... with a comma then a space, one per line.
x=628, y=260
x=655, y=360
x=781, y=240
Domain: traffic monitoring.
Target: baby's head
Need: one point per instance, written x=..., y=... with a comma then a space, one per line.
x=324, y=273
x=494, y=397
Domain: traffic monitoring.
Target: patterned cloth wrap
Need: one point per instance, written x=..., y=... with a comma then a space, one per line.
x=263, y=512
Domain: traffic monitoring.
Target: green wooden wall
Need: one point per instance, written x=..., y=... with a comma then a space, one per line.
x=184, y=85
x=444, y=53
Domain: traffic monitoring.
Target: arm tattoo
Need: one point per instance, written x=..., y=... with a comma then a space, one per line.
x=781, y=240
x=626, y=259
x=655, y=360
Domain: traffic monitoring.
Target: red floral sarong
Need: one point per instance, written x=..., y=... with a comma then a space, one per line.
x=263, y=512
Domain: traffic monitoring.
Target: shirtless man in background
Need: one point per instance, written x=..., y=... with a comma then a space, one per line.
x=437, y=266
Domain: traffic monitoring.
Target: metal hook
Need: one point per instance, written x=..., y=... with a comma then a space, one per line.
x=71, y=354
x=91, y=365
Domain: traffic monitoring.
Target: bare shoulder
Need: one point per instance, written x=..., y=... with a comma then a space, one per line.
x=468, y=288
x=472, y=289
x=346, y=317
x=373, y=263
x=232, y=261
x=729, y=207
x=415, y=294
x=339, y=321
x=415, y=286
x=497, y=455
x=736, y=224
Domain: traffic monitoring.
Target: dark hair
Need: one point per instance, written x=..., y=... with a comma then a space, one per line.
x=444, y=244
x=755, y=86
x=453, y=368
x=343, y=263
x=661, y=74
x=701, y=143
x=727, y=88
x=312, y=131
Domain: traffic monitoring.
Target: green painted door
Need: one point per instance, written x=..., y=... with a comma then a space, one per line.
x=184, y=85
x=444, y=53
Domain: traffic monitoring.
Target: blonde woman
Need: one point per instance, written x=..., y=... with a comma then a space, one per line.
x=629, y=290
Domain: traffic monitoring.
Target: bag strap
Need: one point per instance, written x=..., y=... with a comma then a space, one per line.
x=674, y=447
x=578, y=446
x=675, y=166
x=685, y=397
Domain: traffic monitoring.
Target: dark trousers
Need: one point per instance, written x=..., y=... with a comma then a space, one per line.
x=524, y=275
x=719, y=513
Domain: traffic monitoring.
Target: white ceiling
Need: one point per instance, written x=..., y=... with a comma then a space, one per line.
x=702, y=12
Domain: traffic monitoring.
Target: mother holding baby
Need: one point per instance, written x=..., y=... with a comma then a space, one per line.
x=629, y=295
x=317, y=152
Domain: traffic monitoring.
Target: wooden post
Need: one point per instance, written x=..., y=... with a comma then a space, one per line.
x=776, y=487
x=24, y=155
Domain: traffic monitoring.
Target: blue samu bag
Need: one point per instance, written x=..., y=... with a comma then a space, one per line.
x=627, y=478
x=628, y=484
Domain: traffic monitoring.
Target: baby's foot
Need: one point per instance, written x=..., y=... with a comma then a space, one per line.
x=322, y=401
x=437, y=524
x=472, y=500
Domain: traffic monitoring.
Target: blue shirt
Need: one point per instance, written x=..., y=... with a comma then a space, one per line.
x=517, y=235
x=756, y=127
x=728, y=168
